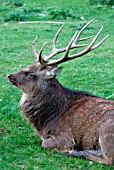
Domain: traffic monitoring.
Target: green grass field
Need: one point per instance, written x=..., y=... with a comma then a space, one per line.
x=20, y=146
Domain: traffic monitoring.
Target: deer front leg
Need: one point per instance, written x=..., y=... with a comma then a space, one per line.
x=59, y=143
x=50, y=143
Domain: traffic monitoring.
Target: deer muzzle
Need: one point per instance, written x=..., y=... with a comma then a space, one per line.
x=12, y=79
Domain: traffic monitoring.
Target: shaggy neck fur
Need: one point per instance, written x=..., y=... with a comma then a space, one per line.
x=41, y=107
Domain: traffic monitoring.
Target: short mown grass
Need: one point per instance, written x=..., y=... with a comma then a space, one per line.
x=20, y=146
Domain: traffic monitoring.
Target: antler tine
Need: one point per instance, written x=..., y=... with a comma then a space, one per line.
x=54, y=49
x=95, y=38
x=97, y=45
x=41, y=60
x=34, y=49
x=86, y=38
x=81, y=31
x=56, y=36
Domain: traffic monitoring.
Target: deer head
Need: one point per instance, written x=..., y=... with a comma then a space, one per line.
x=37, y=75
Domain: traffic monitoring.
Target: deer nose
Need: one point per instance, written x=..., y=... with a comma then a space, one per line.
x=9, y=76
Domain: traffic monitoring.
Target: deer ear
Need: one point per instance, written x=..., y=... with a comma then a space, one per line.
x=54, y=72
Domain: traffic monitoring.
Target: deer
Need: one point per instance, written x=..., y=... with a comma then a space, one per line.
x=72, y=122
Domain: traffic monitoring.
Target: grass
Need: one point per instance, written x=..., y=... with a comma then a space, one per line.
x=20, y=146
x=12, y=10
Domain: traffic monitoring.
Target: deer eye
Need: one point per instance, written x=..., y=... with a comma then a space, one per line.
x=29, y=74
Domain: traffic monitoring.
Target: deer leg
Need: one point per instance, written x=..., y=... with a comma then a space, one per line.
x=60, y=142
x=93, y=155
x=106, y=140
x=49, y=143
x=85, y=153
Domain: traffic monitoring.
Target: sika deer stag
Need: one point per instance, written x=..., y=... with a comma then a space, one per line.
x=73, y=122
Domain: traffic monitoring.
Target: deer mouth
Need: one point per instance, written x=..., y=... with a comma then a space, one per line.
x=12, y=81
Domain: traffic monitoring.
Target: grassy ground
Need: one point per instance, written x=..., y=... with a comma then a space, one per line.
x=20, y=146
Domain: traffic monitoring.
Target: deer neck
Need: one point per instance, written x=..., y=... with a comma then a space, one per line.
x=43, y=106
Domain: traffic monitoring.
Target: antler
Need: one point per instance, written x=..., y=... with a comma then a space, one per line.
x=54, y=49
x=73, y=44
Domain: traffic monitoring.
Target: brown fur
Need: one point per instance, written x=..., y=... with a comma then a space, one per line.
x=72, y=122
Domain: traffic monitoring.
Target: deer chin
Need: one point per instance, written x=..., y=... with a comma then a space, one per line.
x=13, y=82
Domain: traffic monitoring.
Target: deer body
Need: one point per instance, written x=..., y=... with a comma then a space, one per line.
x=70, y=118
x=73, y=122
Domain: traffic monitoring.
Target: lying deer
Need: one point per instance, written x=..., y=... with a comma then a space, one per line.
x=73, y=122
